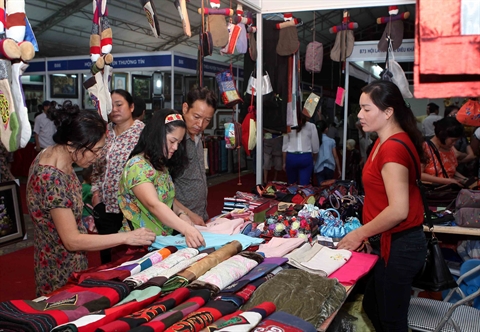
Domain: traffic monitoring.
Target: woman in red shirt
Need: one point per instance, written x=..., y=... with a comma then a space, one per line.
x=393, y=210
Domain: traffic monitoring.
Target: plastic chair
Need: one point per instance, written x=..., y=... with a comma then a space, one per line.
x=433, y=315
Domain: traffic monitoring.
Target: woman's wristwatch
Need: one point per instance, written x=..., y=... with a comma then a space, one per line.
x=182, y=212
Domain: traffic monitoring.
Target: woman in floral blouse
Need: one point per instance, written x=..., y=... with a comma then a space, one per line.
x=122, y=136
x=146, y=191
x=54, y=196
x=447, y=131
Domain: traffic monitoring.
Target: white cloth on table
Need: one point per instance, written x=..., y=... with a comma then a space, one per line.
x=328, y=260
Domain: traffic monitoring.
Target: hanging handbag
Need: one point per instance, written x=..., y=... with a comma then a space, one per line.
x=435, y=275
x=252, y=84
x=228, y=90
x=205, y=38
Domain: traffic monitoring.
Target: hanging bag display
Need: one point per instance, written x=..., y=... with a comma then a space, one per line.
x=233, y=134
x=314, y=57
x=435, y=275
x=227, y=88
x=469, y=113
x=206, y=42
x=252, y=84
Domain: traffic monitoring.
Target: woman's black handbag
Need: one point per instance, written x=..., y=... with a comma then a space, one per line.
x=435, y=275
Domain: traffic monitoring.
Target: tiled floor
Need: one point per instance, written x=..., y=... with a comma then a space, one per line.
x=28, y=241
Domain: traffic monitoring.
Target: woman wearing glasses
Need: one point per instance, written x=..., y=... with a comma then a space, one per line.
x=122, y=136
x=54, y=196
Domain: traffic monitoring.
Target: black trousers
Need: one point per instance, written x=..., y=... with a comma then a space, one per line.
x=106, y=223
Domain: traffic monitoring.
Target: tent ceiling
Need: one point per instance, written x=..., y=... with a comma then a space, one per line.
x=62, y=27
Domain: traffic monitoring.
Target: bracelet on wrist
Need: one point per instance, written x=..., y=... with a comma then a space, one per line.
x=182, y=212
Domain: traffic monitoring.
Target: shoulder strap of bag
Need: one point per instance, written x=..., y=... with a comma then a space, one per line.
x=437, y=154
x=428, y=215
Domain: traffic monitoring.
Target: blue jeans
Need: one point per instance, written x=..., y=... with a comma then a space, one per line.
x=388, y=291
x=299, y=168
x=325, y=174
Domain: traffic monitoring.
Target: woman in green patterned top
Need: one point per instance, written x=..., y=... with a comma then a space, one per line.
x=146, y=191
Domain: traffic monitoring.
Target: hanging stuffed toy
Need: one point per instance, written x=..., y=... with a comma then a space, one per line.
x=98, y=86
x=343, y=47
x=393, y=29
x=151, y=13
x=288, y=43
x=17, y=48
x=242, y=45
x=216, y=22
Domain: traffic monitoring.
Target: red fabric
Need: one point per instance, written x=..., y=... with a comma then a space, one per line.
x=246, y=128
x=106, y=41
x=146, y=314
x=118, y=311
x=438, y=40
x=375, y=195
x=15, y=19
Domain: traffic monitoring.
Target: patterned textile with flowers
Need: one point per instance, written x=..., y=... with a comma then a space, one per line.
x=49, y=188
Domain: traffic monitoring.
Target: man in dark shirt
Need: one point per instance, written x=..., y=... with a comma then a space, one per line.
x=191, y=187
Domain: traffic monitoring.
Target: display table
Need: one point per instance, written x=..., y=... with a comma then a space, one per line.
x=454, y=230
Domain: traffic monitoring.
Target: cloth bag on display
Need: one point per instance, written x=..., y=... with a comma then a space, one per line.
x=469, y=113
x=266, y=84
x=435, y=275
x=228, y=90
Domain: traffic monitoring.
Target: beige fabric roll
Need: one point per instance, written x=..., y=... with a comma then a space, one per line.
x=216, y=257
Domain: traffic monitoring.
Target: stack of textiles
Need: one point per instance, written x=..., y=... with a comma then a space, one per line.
x=231, y=203
x=182, y=289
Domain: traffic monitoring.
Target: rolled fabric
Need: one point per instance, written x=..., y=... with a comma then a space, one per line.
x=200, y=267
x=230, y=270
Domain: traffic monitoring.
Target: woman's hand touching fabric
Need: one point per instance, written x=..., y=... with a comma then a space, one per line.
x=140, y=237
x=193, y=238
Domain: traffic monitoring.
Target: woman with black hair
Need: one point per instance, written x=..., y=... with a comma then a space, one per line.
x=441, y=156
x=146, y=191
x=393, y=209
x=54, y=196
x=122, y=135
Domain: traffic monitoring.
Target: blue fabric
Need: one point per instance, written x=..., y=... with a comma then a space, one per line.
x=325, y=155
x=211, y=240
x=469, y=285
x=299, y=168
x=388, y=291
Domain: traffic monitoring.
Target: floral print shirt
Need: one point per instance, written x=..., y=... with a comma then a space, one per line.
x=433, y=166
x=49, y=188
x=108, y=169
x=137, y=171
